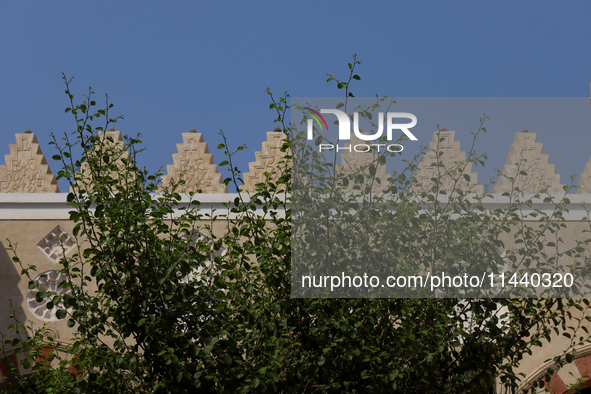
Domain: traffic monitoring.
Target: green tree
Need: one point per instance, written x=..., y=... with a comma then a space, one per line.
x=163, y=303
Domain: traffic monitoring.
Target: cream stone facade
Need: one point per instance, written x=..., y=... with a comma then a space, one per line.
x=34, y=217
x=266, y=161
x=194, y=164
x=444, y=141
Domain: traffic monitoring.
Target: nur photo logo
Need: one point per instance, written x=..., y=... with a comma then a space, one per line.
x=387, y=121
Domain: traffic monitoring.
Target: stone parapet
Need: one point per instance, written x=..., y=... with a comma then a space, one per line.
x=194, y=165
x=26, y=169
x=527, y=169
x=450, y=167
x=266, y=161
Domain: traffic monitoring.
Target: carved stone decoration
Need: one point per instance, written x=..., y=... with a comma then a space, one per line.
x=117, y=142
x=525, y=154
x=47, y=281
x=266, y=160
x=195, y=165
x=453, y=166
x=26, y=170
x=56, y=243
x=50, y=334
x=357, y=163
x=585, y=180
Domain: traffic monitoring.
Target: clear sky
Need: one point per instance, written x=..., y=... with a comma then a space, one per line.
x=171, y=66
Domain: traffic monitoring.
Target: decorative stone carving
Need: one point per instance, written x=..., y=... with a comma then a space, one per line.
x=50, y=334
x=444, y=141
x=47, y=281
x=266, y=160
x=525, y=154
x=26, y=170
x=56, y=243
x=195, y=164
x=585, y=180
x=353, y=163
x=117, y=142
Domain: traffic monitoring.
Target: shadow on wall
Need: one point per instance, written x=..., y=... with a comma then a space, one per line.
x=10, y=294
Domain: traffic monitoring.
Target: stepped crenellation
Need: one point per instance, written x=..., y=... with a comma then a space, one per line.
x=266, y=161
x=194, y=165
x=452, y=159
x=352, y=161
x=113, y=139
x=26, y=169
x=525, y=155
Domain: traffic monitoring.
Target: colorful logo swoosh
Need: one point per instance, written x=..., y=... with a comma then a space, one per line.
x=315, y=114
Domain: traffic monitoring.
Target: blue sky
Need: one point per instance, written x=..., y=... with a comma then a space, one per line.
x=171, y=66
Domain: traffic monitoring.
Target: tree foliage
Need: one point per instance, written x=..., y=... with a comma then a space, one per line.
x=163, y=302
